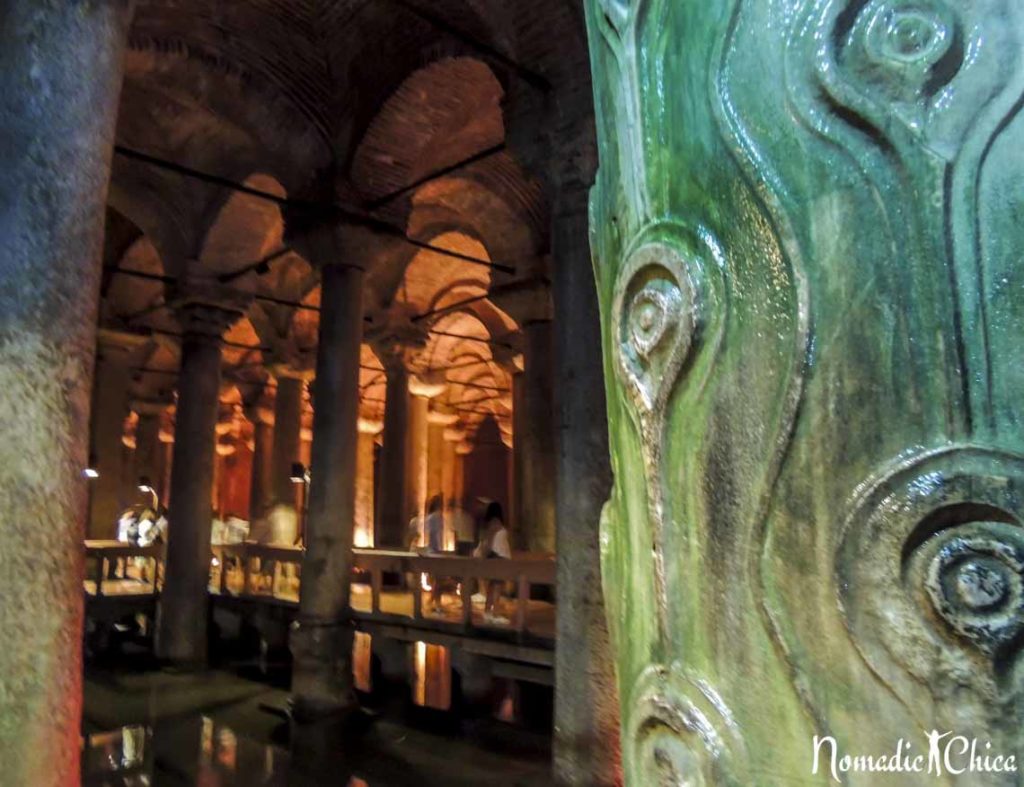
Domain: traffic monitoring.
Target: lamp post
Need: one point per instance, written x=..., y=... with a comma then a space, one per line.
x=146, y=487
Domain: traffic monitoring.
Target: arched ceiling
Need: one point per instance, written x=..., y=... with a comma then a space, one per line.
x=346, y=101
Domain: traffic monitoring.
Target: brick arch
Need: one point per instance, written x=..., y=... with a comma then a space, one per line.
x=437, y=116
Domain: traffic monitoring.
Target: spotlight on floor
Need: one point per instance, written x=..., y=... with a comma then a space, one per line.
x=91, y=472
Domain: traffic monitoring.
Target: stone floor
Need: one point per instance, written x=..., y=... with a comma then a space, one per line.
x=218, y=729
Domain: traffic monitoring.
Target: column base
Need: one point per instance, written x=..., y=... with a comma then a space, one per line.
x=322, y=685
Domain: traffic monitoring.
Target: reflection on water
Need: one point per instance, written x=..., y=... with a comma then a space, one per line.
x=362, y=653
x=214, y=756
x=432, y=676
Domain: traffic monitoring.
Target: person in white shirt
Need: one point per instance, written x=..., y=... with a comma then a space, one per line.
x=495, y=546
x=464, y=526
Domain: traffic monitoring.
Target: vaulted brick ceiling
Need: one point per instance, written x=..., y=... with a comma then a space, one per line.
x=349, y=101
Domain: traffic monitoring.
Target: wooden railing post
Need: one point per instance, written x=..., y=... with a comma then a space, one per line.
x=376, y=581
x=467, y=602
x=522, y=602
x=246, y=572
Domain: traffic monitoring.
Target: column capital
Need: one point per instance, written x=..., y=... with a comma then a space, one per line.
x=156, y=407
x=326, y=239
x=205, y=307
x=455, y=433
x=526, y=300
x=428, y=385
x=206, y=320
x=442, y=415
x=115, y=345
x=294, y=370
x=509, y=359
x=397, y=344
x=259, y=414
x=370, y=426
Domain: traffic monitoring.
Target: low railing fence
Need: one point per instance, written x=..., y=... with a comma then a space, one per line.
x=261, y=571
x=114, y=568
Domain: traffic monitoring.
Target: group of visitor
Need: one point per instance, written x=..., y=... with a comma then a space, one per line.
x=484, y=536
x=142, y=526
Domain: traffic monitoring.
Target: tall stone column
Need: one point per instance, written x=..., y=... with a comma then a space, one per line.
x=60, y=76
x=167, y=459
x=149, y=453
x=807, y=250
x=287, y=429
x=515, y=466
x=364, y=531
x=182, y=618
x=262, y=421
x=322, y=640
x=586, y=738
x=109, y=410
x=392, y=513
x=448, y=468
x=415, y=492
x=535, y=440
x=435, y=454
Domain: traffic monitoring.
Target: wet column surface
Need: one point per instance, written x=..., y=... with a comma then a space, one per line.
x=109, y=410
x=368, y=431
x=535, y=441
x=392, y=517
x=182, y=618
x=415, y=492
x=262, y=421
x=321, y=641
x=60, y=76
x=287, y=429
x=148, y=448
x=586, y=705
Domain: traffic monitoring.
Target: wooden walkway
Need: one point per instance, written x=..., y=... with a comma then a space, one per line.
x=260, y=576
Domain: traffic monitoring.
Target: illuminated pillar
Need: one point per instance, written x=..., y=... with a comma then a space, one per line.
x=60, y=71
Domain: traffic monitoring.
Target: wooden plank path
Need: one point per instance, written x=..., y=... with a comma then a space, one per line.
x=383, y=599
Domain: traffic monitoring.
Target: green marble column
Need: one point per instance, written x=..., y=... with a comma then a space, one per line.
x=807, y=231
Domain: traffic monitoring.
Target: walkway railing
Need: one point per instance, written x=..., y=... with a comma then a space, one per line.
x=266, y=573
x=262, y=572
x=113, y=568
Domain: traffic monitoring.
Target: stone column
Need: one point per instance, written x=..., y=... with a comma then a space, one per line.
x=182, y=617
x=364, y=532
x=448, y=469
x=392, y=515
x=416, y=457
x=435, y=455
x=586, y=750
x=535, y=440
x=262, y=421
x=167, y=459
x=287, y=429
x=518, y=459
x=60, y=71
x=149, y=453
x=109, y=410
x=322, y=639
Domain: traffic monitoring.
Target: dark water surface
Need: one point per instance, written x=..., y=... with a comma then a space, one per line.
x=215, y=729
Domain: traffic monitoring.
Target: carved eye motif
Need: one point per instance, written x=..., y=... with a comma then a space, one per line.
x=654, y=323
x=907, y=49
x=680, y=732
x=975, y=581
x=908, y=33
x=653, y=313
